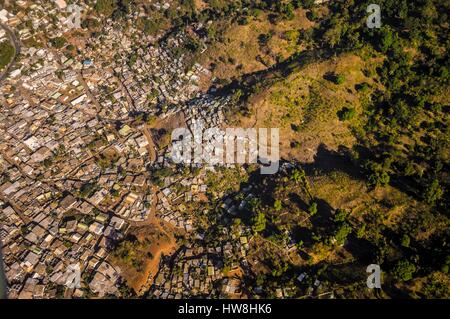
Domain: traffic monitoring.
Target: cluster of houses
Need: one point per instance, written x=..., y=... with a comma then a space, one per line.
x=75, y=165
x=72, y=180
x=174, y=199
x=50, y=17
x=202, y=270
x=149, y=77
x=39, y=248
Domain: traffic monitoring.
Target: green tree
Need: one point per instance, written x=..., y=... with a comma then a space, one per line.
x=58, y=42
x=278, y=205
x=342, y=233
x=6, y=53
x=386, y=39
x=151, y=27
x=298, y=175
x=106, y=7
x=361, y=231
x=347, y=113
x=405, y=240
x=339, y=79
x=279, y=267
x=340, y=215
x=436, y=286
x=378, y=174
x=259, y=222
x=404, y=270
x=312, y=210
x=433, y=192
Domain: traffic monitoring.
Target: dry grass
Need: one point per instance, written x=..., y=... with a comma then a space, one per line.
x=305, y=106
x=161, y=243
x=241, y=44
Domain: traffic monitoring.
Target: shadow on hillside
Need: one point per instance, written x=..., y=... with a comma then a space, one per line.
x=296, y=199
x=322, y=221
x=327, y=161
x=251, y=82
x=361, y=249
x=344, y=273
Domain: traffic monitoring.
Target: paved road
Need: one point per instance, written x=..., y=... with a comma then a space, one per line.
x=13, y=39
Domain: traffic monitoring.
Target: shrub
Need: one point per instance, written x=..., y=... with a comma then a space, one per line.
x=346, y=113
x=278, y=205
x=436, y=286
x=311, y=15
x=433, y=192
x=151, y=27
x=58, y=42
x=405, y=240
x=259, y=222
x=339, y=79
x=105, y=7
x=6, y=54
x=342, y=233
x=312, y=210
x=404, y=270
x=340, y=215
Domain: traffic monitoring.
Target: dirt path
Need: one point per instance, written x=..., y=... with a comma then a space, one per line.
x=130, y=101
x=158, y=248
x=151, y=144
x=152, y=266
